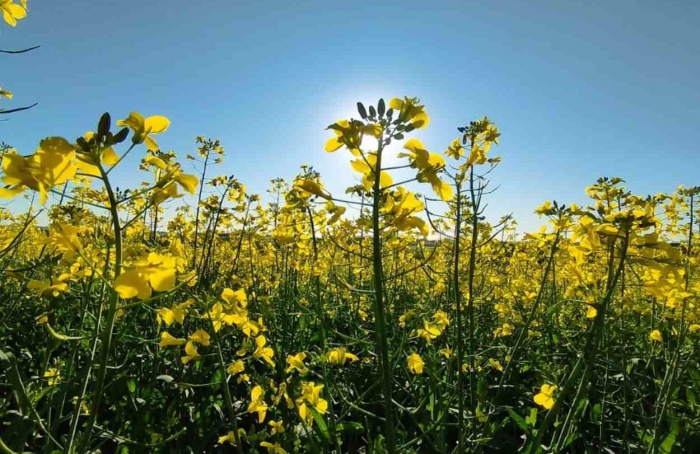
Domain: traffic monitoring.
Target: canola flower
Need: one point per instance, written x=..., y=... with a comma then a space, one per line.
x=545, y=397
x=266, y=312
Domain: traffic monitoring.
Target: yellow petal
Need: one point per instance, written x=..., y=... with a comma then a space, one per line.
x=132, y=284
x=396, y=103
x=156, y=124
x=162, y=280
x=187, y=181
x=109, y=157
x=333, y=144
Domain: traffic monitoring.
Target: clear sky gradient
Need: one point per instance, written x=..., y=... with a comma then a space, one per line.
x=579, y=89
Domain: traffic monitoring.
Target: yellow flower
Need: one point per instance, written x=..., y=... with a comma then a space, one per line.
x=201, y=337
x=52, y=164
x=363, y=315
x=236, y=368
x=155, y=272
x=257, y=403
x=230, y=437
x=174, y=314
x=694, y=328
x=276, y=427
x=441, y=318
x=263, y=352
x=234, y=297
x=656, y=336
x=53, y=376
x=410, y=111
x=311, y=397
x=144, y=127
x=591, y=311
x=273, y=448
x=296, y=362
x=191, y=353
x=496, y=364
x=12, y=12
x=168, y=340
x=415, y=363
x=350, y=133
x=455, y=149
x=339, y=356
x=429, y=331
x=366, y=166
x=544, y=397
x=47, y=289
x=86, y=164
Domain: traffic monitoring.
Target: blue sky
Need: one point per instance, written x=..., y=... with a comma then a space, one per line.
x=578, y=89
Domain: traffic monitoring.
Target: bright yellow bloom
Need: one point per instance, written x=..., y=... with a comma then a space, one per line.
x=52, y=164
x=311, y=398
x=365, y=165
x=47, y=289
x=201, y=337
x=410, y=111
x=86, y=164
x=144, y=127
x=12, y=12
x=53, y=376
x=236, y=368
x=168, y=340
x=544, y=397
x=296, y=362
x=455, y=149
x=273, y=448
x=441, y=319
x=263, y=352
x=276, y=427
x=339, y=356
x=155, y=272
x=257, y=403
x=429, y=331
x=235, y=297
x=174, y=314
x=230, y=437
x=415, y=363
x=591, y=311
x=656, y=336
x=350, y=133
x=496, y=364
x=191, y=353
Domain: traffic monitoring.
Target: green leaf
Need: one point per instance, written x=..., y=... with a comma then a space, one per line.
x=131, y=385
x=322, y=427
x=518, y=420
x=531, y=420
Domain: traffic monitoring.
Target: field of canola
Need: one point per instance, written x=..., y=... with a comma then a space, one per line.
x=378, y=321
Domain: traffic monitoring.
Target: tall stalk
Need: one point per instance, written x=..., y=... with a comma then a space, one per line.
x=458, y=304
x=106, y=342
x=472, y=270
x=673, y=371
x=585, y=363
x=379, y=315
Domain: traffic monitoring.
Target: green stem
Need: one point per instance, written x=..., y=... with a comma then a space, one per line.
x=379, y=312
x=227, y=392
x=111, y=315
